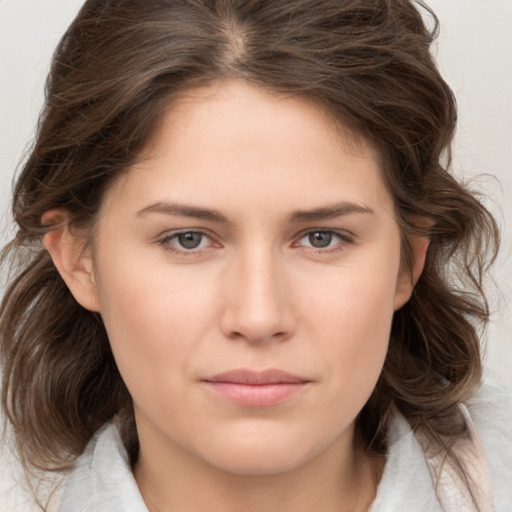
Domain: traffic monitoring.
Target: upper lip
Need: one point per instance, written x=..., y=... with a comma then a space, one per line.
x=257, y=378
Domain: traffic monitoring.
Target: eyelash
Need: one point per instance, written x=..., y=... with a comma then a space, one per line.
x=166, y=242
x=344, y=239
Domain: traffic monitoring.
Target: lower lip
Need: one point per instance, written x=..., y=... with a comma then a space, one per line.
x=262, y=395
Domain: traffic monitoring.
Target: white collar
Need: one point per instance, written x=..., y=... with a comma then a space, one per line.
x=102, y=479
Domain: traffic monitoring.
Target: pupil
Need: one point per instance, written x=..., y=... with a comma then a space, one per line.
x=190, y=240
x=320, y=239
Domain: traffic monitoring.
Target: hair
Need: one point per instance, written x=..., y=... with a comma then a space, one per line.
x=114, y=73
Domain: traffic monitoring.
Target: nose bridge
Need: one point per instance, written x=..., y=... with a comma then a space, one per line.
x=257, y=307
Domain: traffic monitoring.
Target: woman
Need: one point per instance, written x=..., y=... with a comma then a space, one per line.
x=237, y=249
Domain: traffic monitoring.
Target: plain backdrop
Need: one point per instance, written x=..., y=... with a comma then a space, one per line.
x=474, y=53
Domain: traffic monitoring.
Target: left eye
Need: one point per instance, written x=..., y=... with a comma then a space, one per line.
x=321, y=239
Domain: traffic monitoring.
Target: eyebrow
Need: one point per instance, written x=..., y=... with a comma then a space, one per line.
x=329, y=212
x=316, y=214
x=183, y=211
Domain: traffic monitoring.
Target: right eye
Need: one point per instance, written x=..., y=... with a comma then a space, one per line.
x=188, y=241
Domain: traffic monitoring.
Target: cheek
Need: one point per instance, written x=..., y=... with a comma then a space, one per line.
x=355, y=320
x=155, y=321
x=357, y=298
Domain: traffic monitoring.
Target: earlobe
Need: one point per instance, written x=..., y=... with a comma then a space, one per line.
x=73, y=262
x=407, y=280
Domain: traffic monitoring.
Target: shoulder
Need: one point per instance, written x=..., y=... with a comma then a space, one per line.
x=491, y=412
x=408, y=479
x=101, y=479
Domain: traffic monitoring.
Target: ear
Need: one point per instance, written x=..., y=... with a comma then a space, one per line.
x=72, y=258
x=407, y=280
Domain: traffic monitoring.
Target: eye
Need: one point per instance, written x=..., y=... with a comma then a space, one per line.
x=320, y=239
x=186, y=241
x=189, y=240
x=323, y=239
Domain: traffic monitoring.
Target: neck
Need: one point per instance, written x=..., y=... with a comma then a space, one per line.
x=334, y=481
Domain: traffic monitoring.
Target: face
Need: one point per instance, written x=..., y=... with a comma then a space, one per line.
x=247, y=271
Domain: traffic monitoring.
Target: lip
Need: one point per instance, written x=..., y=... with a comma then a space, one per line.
x=251, y=388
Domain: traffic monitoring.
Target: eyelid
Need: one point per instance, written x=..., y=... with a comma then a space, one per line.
x=165, y=241
x=345, y=236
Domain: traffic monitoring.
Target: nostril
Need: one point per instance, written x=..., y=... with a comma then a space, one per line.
x=258, y=338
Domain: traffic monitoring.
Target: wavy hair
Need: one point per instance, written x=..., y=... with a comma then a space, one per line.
x=114, y=72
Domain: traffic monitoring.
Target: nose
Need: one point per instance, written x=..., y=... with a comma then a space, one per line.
x=257, y=303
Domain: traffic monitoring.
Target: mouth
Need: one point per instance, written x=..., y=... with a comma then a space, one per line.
x=256, y=389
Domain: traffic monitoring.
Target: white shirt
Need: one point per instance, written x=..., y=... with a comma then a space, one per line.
x=102, y=480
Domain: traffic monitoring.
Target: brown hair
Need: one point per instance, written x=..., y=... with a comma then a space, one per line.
x=114, y=72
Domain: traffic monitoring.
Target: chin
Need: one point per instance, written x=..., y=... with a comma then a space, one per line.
x=264, y=463
x=260, y=455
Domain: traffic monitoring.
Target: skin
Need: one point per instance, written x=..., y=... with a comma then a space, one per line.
x=256, y=293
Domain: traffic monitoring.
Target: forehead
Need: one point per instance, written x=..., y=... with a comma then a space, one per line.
x=216, y=143
x=227, y=103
